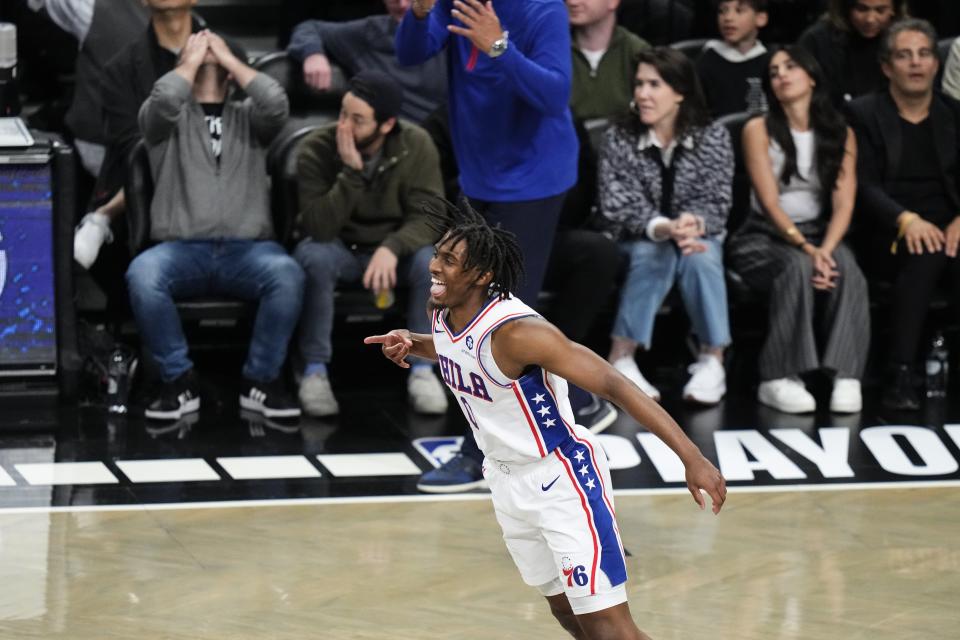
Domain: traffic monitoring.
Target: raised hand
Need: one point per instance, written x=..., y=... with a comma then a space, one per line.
x=482, y=24
x=395, y=346
x=194, y=50
x=220, y=50
x=347, y=146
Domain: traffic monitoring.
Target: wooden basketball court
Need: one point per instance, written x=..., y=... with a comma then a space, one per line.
x=848, y=564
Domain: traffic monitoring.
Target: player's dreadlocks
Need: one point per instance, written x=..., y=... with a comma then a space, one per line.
x=492, y=249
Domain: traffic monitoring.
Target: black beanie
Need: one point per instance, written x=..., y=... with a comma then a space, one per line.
x=380, y=91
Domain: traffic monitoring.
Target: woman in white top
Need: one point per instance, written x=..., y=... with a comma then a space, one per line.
x=801, y=157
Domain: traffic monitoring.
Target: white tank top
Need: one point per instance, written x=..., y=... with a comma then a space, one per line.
x=800, y=198
x=514, y=421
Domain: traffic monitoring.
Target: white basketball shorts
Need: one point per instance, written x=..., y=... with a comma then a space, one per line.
x=558, y=521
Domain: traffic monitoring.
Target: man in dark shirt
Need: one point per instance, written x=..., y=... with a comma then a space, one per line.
x=909, y=183
x=127, y=80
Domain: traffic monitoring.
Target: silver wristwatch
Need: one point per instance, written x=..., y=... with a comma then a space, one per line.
x=500, y=46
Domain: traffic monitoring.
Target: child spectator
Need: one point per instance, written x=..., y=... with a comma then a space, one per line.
x=731, y=70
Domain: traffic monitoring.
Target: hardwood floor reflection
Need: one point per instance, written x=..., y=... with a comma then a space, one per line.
x=878, y=564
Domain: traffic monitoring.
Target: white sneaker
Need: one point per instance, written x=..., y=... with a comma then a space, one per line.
x=91, y=233
x=788, y=395
x=628, y=367
x=846, y=396
x=316, y=396
x=426, y=392
x=708, y=384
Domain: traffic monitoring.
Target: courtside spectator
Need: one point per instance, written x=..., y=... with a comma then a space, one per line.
x=666, y=178
x=127, y=81
x=846, y=42
x=791, y=247
x=100, y=27
x=731, y=70
x=510, y=77
x=951, y=72
x=210, y=217
x=909, y=171
x=363, y=184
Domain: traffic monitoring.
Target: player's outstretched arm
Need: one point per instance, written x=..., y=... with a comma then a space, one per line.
x=400, y=343
x=532, y=341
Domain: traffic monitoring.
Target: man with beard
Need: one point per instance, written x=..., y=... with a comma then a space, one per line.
x=362, y=184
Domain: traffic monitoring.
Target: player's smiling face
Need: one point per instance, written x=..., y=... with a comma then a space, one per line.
x=450, y=284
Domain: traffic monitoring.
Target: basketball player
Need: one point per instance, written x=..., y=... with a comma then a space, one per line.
x=508, y=369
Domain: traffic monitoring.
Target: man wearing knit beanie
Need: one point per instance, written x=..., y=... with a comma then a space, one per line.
x=362, y=182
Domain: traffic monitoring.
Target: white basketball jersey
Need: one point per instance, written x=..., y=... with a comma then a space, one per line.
x=513, y=420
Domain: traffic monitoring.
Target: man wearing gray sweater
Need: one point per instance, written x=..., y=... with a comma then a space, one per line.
x=210, y=218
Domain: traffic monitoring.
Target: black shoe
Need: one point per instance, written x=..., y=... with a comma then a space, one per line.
x=900, y=394
x=175, y=399
x=268, y=398
x=597, y=415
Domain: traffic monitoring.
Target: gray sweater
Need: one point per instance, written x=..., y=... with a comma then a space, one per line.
x=196, y=197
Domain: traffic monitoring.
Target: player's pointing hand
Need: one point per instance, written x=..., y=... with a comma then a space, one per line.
x=395, y=346
x=703, y=476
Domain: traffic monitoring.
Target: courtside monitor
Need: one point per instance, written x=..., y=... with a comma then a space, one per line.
x=28, y=336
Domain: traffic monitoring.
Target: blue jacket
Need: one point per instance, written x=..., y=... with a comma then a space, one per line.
x=510, y=122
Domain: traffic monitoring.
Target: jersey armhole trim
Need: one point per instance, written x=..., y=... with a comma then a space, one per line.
x=483, y=339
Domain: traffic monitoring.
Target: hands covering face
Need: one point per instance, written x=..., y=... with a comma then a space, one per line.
x=203, y=42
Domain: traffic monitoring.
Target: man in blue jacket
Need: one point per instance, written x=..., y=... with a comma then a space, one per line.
x=510, y=76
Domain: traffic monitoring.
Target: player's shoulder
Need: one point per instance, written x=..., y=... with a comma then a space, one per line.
x=525, y=330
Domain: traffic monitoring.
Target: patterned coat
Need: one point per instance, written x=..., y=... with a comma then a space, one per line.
x=630, y=183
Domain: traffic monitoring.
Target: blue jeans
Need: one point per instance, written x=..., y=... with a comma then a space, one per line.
x=329, y=263
x=654, y=268
x=247, y=269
